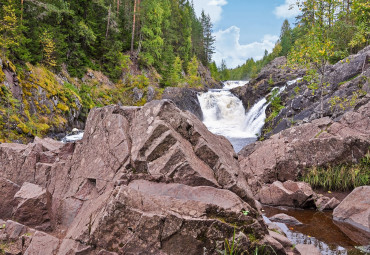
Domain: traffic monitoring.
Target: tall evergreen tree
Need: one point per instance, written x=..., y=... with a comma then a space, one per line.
x=208, y=38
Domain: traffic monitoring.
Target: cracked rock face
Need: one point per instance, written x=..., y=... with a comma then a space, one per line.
x=285, y=155
x=151, y=179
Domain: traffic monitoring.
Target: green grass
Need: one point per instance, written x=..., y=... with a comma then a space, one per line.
x=342, y=177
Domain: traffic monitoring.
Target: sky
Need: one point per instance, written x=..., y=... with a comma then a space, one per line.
x=245, y=28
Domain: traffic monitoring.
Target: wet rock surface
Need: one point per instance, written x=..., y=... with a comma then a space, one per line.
x=283, y=218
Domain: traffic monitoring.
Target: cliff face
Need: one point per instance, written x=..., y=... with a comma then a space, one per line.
x=348, y=87
x=35, y=101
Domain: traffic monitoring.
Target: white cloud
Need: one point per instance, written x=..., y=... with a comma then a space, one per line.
x=287, y=10
x=229, y=48
x=212, y=7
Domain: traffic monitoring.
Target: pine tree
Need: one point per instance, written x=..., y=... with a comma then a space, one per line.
x=208, y=38
x=151, y=30
x=193, y=77
x=48, y=49
x=10, y=28
x=285, y=38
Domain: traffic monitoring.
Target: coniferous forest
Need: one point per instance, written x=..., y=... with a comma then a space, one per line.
x=94, y=53
x=165, y=34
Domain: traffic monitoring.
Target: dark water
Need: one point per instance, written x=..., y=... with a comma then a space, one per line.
x=240, y=143
x=318, y=229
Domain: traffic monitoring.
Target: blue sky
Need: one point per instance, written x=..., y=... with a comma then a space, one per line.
x=245, y=28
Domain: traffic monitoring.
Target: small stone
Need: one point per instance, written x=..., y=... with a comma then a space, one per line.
x=284, y=218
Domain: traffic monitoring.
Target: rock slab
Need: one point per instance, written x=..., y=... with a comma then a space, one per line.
x=354, y=211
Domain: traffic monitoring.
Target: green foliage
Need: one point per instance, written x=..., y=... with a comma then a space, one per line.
x=285, y=38
x=275, y=104
x=341, y=177
x=224, y=72
x=231, y=248
x=153, y=17
x=214, y=71
x=193, y=79
x=97, y=35
x=175, y=75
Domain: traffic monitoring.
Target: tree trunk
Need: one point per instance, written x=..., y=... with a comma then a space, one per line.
x=106, y=33
x=133, y=28
x=21, y=11
x=348, y=4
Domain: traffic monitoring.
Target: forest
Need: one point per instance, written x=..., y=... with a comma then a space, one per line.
x=104, y=34
x=326, y=30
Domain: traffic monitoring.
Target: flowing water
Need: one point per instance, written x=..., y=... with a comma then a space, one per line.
x=224, y=114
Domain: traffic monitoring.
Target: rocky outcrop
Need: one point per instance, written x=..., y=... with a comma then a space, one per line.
x=289, y=193
x=207, y=80
x=33, y=207
x=185, y=99
x=354, y=211
x=285, y=155
x=347, y=89
x=147, y=179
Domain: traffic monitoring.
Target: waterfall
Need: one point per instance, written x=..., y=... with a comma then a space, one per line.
x=224, y=114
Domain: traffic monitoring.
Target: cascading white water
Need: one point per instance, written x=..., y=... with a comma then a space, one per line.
x=224, y=114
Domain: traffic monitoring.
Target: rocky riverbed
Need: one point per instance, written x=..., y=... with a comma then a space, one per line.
x=155, y=180
x=147, y=179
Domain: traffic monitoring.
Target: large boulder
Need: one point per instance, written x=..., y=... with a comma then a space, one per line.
x=289, y=193
x=33, y=207
x=186, y=99
x=322, y=142
x=42, y=243
x=352, y=215
x=173, y=218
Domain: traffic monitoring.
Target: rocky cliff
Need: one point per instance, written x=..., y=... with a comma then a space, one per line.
x=347, y=88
